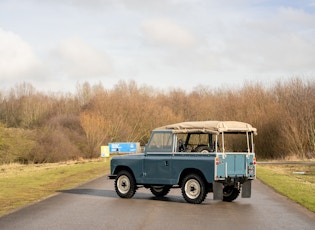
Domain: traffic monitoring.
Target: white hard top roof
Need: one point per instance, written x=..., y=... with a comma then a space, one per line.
x=209, y=127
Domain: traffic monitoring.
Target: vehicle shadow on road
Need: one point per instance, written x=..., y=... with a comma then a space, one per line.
x=171, y=198
x=112, y=194
x=91, y=192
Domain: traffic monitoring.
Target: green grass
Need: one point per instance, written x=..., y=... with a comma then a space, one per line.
x=297, y=187
x=21, y=185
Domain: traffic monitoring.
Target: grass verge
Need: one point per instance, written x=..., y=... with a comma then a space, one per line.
x=297, y=182
x=24, y=184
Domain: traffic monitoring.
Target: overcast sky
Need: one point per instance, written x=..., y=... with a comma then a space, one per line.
x=55, y=44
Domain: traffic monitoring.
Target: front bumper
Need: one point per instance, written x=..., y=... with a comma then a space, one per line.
x=112, y=177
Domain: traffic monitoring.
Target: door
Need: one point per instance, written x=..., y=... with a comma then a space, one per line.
x=157, y=168
x=158, y=159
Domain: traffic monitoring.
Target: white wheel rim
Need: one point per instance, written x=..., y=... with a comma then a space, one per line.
x=123, y=184
x=192, y=188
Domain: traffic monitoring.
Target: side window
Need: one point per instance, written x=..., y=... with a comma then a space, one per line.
x=233, y=142
x=160, y=142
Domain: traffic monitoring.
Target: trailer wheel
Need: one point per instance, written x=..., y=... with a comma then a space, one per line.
x=230, y=193
x=194, y=189
x=125, y=184
x=160, y=191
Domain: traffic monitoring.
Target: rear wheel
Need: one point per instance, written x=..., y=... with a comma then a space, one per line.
x=125, y=184
x=194, y=189
x=160, y=191
x=230, y=193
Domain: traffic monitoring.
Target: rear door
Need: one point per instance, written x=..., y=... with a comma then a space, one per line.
x=235, y=155
x=230, y=165
x=236, y=164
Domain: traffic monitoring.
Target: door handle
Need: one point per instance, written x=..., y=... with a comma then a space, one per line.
x=165, y=163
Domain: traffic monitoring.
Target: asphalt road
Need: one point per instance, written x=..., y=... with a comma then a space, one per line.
x=95, y=205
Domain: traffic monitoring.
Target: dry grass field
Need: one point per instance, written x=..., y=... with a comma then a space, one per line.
x=24, y=184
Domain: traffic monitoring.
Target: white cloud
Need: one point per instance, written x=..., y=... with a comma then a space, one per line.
x=166, y=32
x=181, y=40
x=17, y=59
x=78, y=59
x=296, y=17
x=284, y=43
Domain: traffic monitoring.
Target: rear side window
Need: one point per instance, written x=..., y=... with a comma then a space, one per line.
x=160, y=142
x=235, y=142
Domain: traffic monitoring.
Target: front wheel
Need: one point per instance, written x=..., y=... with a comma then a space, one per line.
x=160, y=191
x=194, y=189
x=125, y=184
x=230, y=193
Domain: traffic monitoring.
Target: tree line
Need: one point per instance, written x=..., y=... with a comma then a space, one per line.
x=37, y=127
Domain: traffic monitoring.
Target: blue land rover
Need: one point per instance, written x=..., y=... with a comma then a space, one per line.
x=198, y=157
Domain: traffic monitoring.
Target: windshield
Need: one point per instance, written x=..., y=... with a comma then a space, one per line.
x=160, y=141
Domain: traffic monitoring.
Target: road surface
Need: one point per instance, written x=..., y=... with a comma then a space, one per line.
x=95, y=205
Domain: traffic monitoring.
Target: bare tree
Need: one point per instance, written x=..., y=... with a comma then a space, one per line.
x=95, y=127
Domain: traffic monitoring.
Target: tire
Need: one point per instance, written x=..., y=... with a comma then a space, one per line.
x=125, y=184
x=230, y=193
x=160, y=191
x=203, y=149
x=194, y=189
